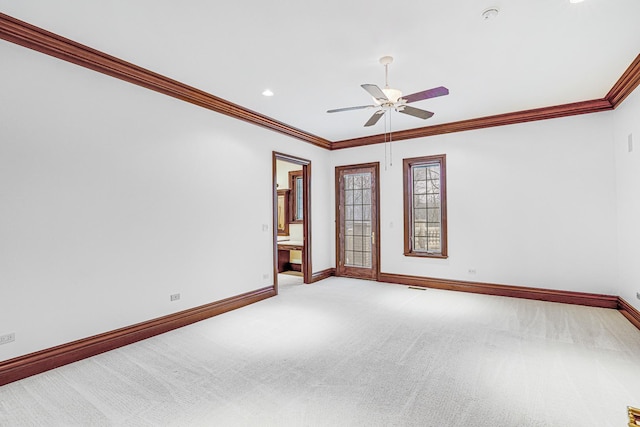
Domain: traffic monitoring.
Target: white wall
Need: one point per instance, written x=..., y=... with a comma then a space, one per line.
x=282, y=173
x=113, y=197
x=530, y=204
x=627, y=122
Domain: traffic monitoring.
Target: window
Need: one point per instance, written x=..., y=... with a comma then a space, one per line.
x=296, y=186
x=425, y=207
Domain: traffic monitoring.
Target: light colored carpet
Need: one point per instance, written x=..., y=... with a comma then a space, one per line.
x=345, y=352
x=288, y=279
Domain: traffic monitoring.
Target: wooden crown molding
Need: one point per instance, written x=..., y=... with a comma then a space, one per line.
x=629, y=311
x=626, y=84
x=544, y=113
x=44, y=360
x=629, y=80
x=32, y=37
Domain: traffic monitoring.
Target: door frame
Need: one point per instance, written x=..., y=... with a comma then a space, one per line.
x=307, y=271
x=376, y=228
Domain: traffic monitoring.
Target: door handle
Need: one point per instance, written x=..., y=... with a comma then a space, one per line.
x=373, y=237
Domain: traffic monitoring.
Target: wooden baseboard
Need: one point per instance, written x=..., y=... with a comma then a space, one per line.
x=321, y=275
x=629, y=311
x=552, y=295
x=41, y=361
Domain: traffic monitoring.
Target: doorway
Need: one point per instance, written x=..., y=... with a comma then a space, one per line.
x=357, y=221
x=291, y=217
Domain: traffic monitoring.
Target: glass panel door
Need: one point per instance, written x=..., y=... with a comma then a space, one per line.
x=357, y=208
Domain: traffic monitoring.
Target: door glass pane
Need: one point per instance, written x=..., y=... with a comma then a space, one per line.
x=357, y=202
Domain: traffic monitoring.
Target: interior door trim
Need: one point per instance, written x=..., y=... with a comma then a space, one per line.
x=307, y=271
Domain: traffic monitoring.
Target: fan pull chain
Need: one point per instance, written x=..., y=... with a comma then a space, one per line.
x=390, y=140
x=385, y=144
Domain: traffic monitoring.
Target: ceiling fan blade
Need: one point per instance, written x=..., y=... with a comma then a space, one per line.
x=426, y=94
x=374, y=119
x=416, y=112
x=376, y=92
x=360, y=107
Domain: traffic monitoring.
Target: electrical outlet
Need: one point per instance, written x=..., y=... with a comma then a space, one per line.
x=638, y=295
x=7, y=338
x=265, y=276
x=630, y=142
x=175, y=297
x=472, y=271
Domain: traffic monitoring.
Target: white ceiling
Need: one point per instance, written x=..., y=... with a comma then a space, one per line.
x=315, y=55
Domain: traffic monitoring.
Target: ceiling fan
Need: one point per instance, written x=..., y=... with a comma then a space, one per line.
x=389, y=98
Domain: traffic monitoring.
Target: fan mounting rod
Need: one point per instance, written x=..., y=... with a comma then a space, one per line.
x=386, y=60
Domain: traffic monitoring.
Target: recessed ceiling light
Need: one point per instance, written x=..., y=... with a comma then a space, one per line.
x=267, y=92
x=576, y=1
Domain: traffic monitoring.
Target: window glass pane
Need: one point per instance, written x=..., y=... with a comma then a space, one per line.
x=420, y=229
x=419, y=215
x=357, y=243
x=348, y=212
x=357, y=197
x=357, y=258
x=348, y=243
x=433, y=186
x=366, y=213
x=357, y=228
x=419, y=187
x=357, y=213
x=348, y=228
x=433, y=238
x=348, y=197
x=433, y=200
x=366, y=196
x=357, y=182
x=420, y=244
x=299, y=206
x=366, y=244
x=433, y=215
x=348, y=182
x=424, y=202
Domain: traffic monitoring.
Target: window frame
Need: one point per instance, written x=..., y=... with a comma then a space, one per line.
x=407, y=169
x=295, y=177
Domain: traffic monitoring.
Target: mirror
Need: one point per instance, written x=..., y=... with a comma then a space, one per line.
x=283, y=212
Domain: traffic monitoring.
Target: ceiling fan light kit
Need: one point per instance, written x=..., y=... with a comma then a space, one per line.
x=391, y=99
